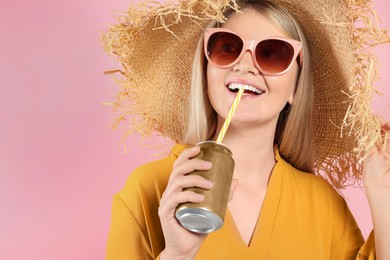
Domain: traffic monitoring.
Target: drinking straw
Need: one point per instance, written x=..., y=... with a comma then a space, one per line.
x=230, y=116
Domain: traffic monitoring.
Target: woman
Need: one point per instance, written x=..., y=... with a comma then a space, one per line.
x=278, y=210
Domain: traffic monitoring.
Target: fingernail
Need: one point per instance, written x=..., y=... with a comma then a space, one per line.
x=199, y=196
x=208, y=183
x=207, y=164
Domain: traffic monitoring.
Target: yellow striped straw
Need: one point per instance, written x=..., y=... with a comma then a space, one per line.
x=230, y=115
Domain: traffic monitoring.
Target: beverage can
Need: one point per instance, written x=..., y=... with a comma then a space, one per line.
x=208, y=216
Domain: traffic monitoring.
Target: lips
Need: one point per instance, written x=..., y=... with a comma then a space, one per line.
x=235, y=87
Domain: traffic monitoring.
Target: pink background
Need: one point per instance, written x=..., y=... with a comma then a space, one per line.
x=60, y=163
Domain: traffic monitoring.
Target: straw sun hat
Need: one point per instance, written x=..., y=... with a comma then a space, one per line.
x=155, y=43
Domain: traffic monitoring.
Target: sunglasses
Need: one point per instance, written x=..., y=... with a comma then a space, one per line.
x=272, y=56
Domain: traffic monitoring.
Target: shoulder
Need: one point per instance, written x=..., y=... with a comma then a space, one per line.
x=317, y=208
x=314, y=188
x=319, y=199
x=148, y=182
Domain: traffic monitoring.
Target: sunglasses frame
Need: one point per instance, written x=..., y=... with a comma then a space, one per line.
x=251, y=46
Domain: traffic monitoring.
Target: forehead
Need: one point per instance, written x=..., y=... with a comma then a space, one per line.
x=252, y=25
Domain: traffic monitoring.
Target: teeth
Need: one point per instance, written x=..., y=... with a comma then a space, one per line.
x=236, y=86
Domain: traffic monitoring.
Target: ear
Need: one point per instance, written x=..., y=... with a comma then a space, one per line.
x=290, y=100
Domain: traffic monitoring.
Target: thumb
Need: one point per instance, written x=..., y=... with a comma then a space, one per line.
x=233, y=187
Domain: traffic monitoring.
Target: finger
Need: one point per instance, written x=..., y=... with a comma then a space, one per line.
x=188, y=181
x=187, y=154
x=169, y=204
x=386, y=135
x=385, y=125
x=192, y=165
x=187, y=196
x=386, y=128
x=232, y=189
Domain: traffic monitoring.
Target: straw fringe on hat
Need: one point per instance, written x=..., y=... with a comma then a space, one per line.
x=156, y=44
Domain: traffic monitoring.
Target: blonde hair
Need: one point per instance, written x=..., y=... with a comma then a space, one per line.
x=294, y=131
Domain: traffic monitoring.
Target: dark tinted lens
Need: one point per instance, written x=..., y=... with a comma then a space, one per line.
x=223, y=48
x=274, y=56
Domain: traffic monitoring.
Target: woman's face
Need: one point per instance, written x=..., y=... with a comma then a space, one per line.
x=276, y=91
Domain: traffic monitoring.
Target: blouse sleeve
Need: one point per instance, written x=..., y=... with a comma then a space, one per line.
x=135, y=231
x=349, y=242
x=126, y=239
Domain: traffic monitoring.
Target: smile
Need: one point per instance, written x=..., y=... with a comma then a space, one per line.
x=234, y=87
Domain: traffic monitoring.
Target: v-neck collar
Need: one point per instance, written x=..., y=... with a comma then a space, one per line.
x=263, y=230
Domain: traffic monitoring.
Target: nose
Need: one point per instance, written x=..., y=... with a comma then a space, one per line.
x=246, y=64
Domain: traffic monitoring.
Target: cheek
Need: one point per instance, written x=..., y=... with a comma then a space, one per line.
x=289, y=81
x=211, y=79
x=214, y=82
x=282, y=87
x=294, y=81
x=213, y=75
x=216, y=89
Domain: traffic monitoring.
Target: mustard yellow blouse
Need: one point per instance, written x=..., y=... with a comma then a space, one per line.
x=302, y=217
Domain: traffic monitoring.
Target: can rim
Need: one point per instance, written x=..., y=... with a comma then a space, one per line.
x=184, y=214
x=215, y=142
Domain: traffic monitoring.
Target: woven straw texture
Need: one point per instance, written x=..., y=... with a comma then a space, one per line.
x=156, y=43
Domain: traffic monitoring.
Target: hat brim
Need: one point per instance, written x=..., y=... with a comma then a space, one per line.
x=156, y=46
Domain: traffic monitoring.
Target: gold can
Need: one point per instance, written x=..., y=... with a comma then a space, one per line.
x=208, y=216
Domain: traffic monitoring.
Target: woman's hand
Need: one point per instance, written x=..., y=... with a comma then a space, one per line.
x=179, y=242
x=376, y=170
x=376, y=179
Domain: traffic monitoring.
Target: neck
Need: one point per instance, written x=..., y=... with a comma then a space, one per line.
x=253, y=152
